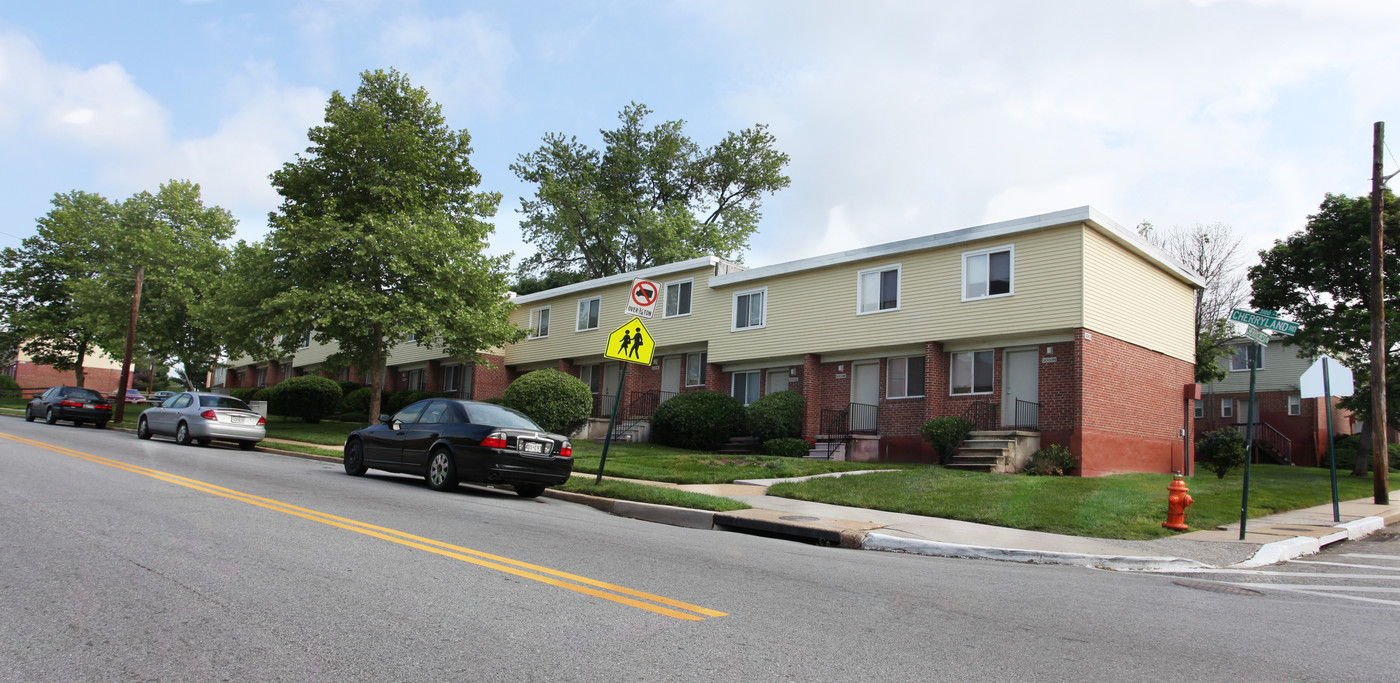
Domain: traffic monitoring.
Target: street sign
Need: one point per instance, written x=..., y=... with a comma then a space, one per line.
x=1264, y=319
x=1339, y=379
x=1257, y=335
x=631, y=343
x=641, y=298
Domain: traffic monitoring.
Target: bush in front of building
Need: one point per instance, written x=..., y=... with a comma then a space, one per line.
x=556, y=401
x=1220, y=451
x=787, y=447
x=776, y=416
x=1051, y=461
x=699, y=420
x=356, y=403
x=309, y=397
x=945, y=434
x=395, y=401
x=244, y=394
x=346, y=386
x=9, y=388
x=1346, y=444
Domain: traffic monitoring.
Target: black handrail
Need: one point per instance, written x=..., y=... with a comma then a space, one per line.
x=984, y=415
x=1271, y=436
x=865, y=418
x=1027, y=416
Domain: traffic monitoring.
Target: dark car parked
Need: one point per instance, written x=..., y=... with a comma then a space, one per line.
x=448, y=441
x=70, y=403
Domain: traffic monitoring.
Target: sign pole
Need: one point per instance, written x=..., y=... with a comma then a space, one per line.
x=617, y=402
x=1331, y=453
x=1249, y=439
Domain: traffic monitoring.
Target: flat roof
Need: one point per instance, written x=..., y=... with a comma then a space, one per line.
x=621, y=278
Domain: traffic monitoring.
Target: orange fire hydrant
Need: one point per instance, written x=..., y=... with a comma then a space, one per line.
x=1178, y=505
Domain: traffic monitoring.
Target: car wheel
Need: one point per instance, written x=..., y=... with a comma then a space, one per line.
x=143, y=430
x=442, y=471
x=182, y=434
x=50, y=417
x=28, y=414
x=529, y=490
x=203, y=441
x=100, y=425
x=247, y=445
x=355, y=458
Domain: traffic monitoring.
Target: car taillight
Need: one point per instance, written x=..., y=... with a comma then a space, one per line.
x=262, y=421
x=567, y=450
x=104, y=406
x=209, y=415
x=494, y=440
x=70, y=404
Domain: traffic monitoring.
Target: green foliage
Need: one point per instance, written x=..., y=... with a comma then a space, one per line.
x=787, y=447
x=651, y=196
x=1345, y=446
x=9, y=388
x=945, y=434
x=1054, y=460
x=399, y=400
x=308, y=397
x=244, y=394
x=346, y=387
x=1220, y=451
x=358, y=401
x=556, y=401
x=777, y=415
x=1211, y=348
x=700, y=420
x=495, y=400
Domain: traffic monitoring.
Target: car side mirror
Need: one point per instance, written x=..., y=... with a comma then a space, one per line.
x=384, y=418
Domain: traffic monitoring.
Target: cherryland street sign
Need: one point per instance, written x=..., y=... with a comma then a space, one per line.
x=641, y=298
x=1267, y=320
x=1256, y=335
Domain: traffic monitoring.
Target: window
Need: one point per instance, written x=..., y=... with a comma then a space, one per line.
x=588, y=374
x=539, y=323
x=877, y=289
x=988, y=273
x=451, y=375
x=413, y=380
x=745, y=387
x=262, y=377
x=1239, y=359
x=1295, y=404
x=678, y=298
x=306, y=341
x=1227, y=407
x=749, y=309
x=904, y=377
x=972, y=372
x=412, y=336
x=695, y=369
x=436, y=413
x=1200, y=408
x=588, y=314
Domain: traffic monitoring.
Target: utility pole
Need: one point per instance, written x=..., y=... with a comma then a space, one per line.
x=119, y=412
x=1379, y=450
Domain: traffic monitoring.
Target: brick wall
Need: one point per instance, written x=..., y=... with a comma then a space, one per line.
x=1307, y=432
x=1131, y=407
x=491, y=382
x=33, y=376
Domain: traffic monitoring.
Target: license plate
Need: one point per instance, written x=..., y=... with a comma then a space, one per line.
x=532, y=447
x=236, y=419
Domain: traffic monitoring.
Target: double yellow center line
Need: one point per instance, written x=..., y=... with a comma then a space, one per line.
x=580, y=584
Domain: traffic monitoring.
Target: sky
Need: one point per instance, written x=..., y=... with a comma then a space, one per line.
x=901, y=118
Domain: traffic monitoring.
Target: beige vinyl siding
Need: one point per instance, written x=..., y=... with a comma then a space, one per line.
x=1129, y=298
x=709, y=310
x=814, y=311
x=1282, y=368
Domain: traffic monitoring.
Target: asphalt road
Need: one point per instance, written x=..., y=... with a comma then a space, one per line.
x=126, y=560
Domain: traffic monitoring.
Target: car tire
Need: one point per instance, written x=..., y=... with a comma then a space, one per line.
x=529, y=490
x=143, y=430
x=203, y=441
x=50, y=417
x=100, y=425
x=355, y=458
x=28, y=415
x=182, y=434
x=247, y=445
x=442, y=470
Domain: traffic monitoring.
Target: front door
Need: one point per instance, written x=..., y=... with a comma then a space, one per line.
x=672, y=368
x=1020, y=379
x=607, y=393
x=865, y=396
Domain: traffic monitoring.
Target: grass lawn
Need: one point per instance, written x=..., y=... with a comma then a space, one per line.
x=1128, y=506
x=325, y=432
x=303, y=448
x=679, y=466
x=642, y=493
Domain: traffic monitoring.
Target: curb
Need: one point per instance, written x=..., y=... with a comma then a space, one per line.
x=1298, y=546
x=874, y=541
x=647, y=512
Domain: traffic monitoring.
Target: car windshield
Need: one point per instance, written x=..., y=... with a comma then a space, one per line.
x=499, y=416
x=222, y=402
x=85, y=394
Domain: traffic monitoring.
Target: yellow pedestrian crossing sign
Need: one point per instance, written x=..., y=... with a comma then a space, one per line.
x=631, y=343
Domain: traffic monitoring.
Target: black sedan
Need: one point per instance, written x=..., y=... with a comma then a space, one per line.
x=448, y=441
x=75, y=404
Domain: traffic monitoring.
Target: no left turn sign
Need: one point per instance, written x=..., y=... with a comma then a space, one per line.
x=641, y=301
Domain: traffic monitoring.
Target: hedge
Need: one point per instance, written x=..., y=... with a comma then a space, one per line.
x=558, y=402
x=776, y=416
x=309, y=397
x=701, y=420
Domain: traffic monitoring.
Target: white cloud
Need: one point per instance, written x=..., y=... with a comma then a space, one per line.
x=461, y=60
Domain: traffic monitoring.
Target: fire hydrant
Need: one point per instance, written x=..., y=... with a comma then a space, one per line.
x=1178, y=505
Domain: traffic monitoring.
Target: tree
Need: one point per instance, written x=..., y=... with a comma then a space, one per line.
x=379, y=236
x=1320, y=278
x=1212, y=251
x=39, y=309
x=650, y=197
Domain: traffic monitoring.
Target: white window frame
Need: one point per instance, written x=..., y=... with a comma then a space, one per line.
x=1245, y=347
x=890, y=364
x=1200, y=409
x=952, y=362
x=579, y=322
x=591, y=375
x=305, y=341
x=451, y=377
x=665, y=308
x=535, y=322
x=1227, y=407
x=699, y=359
x=734, y=310
x=1295, y=404
x=898, y=269
x=755, y=387
x=1011, y=271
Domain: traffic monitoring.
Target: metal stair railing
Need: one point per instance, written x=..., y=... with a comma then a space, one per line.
x=984, y=415
x=1027, y=416
x=836, y=422
x=1270, y=437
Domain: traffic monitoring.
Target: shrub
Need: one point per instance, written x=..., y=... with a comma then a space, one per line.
x=1346, y=445
x=701, y=420
x=945, y=434
x=557, y=401
x=9, y=388
x=787, y=447
x=359, y=418
x=357, y=401
x=1053, y=460
x=776, y=416
x=1220, y=451
x=309, y=397
x=244, y=394
x=262, y=394
x=347, y=386
x=398, y=400
x=494, y=400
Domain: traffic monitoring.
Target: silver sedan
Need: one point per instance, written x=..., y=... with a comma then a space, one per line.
x=201, y=418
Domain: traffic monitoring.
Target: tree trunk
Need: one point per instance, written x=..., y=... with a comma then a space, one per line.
x=1363, y=450
x=376, y=375
x=78, y=374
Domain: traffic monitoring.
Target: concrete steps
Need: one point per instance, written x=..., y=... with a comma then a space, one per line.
x=984, y=452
